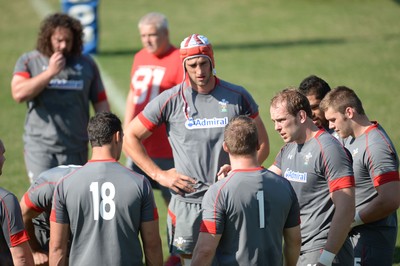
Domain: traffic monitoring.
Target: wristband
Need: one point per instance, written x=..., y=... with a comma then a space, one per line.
x=326, y=258
x=357, y=220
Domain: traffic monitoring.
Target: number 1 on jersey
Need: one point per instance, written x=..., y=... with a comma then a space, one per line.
x=260, y=198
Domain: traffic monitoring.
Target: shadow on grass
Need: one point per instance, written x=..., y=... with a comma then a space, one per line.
x=243, y=46
x=117, y=53
x=264, y=44
x=278, y=44
x=397, y=2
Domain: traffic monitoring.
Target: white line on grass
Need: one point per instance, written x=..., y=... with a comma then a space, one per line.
x=116, y=98
x=41, y=7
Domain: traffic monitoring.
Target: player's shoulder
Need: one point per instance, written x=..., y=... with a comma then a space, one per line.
x=141, y=54
x=83, y=59
x=4, y=192
x=272, y=179
x=325, y=139
x=175, y=53
x=56, y=173
x=230, y=86
x=170, y=94
x=230, y=90
x=288, y=147
x=31, y=55
x=7, y=197
x=377, y=133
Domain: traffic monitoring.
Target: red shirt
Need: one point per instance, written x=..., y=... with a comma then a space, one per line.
x=151, y=75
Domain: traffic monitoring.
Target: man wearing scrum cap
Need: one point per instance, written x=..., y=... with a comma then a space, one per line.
x=195, y=112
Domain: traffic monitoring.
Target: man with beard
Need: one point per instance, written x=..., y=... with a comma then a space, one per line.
x=57, y=82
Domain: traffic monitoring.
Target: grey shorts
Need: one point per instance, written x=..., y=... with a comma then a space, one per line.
x=373, y=245
x=345, y=256
x=38, y=162
x=183, y=222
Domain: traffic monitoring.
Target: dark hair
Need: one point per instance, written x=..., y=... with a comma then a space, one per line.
x=295, y=101
x=313, y=85
x=48, y=27
x=241, y=136
x=340, y=98
x=101, y=128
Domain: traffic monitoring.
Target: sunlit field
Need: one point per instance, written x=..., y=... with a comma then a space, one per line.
x=263, y=45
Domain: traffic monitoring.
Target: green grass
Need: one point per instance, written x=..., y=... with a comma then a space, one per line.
x=263, y=45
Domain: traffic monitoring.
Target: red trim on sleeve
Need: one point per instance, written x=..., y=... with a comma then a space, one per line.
x=149, y=125
x=340, y=183
x=23, y=74
x=53, y=217
x=102, y=96
x=254, y=115
x=19, y=238
x=30, y=204
x=208, y=227
x=155, y=213
x=173, y=217
x=386, y=178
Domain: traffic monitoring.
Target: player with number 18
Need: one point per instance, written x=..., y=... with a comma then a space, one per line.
x=105, y=206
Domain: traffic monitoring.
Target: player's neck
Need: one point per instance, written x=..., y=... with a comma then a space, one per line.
x=207, y=88
x=360, y=125
x=310, y=130
x=163, y=51
x=244, y=162
x=102, y=153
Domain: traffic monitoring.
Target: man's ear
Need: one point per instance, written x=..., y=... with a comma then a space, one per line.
x=118, y=136
x=349, y=112
x=225, y=147
x=302, y=116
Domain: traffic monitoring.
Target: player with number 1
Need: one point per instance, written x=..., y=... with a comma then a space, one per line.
x=247, y=228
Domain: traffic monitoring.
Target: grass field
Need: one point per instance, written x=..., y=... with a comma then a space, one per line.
x=263, y=45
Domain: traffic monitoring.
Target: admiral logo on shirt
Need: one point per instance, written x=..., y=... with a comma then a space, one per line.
x=295, y=176
x=63, y=84
x=200, y=123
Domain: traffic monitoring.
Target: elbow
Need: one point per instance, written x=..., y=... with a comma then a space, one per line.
x=18, y=98
x=17, y=95
x=393, y=206
x=389, y=202
x=153, y=250
x=396, y=203
x=205, y=252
